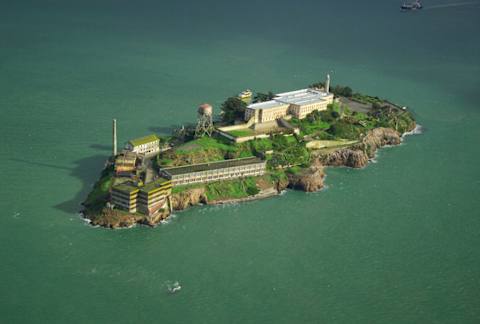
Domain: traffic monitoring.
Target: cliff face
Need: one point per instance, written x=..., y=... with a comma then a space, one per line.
x=310, y=179
x=377, y=138
x=358, y=155
x=346, y=157
x=189, y=197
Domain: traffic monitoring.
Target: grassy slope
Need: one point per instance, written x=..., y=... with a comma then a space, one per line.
x=99, y=194
x=202, y=150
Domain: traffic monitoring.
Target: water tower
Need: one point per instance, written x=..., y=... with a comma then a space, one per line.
x=204, y=121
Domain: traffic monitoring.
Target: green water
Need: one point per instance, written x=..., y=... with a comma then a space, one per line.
x=396, y=242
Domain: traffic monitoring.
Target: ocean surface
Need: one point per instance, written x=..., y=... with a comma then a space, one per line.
x=396, y=242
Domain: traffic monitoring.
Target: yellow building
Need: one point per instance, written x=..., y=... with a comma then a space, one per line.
x=153, y=196
x=124, y=196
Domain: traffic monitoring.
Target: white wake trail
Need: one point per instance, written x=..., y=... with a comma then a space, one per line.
x=448, y=5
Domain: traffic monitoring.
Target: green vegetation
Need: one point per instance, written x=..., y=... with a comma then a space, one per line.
x=261, y=145
x=178, y=189
x=96, y=198
x=202, y=150
x=242, y=132
x=397, y=119
x=288, y=152
x=233, y=109
x=337, y=90
x=365, y=99
x=294, y=170
x=262, y=97
x=232, y=189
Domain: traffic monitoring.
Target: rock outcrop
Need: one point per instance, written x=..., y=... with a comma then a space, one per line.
x=377, y=138
x=358, y=155
x=310, y=179
x=189, y=197
x=346, y=157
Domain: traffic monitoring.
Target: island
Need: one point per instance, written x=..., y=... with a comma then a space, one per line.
x=257, y=147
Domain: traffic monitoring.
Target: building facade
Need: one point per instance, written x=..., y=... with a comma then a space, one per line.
x=298, y=104
x=147, y=199
x=125, y=163
x=153, y=196
x=124, y=196
x=148, y=145
x=215, y=171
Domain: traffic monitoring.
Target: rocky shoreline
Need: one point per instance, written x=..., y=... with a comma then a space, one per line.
x=308, y=179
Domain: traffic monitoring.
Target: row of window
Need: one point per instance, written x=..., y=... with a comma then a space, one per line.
x=213, y=178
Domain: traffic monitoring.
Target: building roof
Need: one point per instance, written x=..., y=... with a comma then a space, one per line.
x=154, y=185
x=126, y=187
x=266, y=105
x=301, y=97
x=297, y=97
x=126, y=158
x=144, y=140
x=212, y=165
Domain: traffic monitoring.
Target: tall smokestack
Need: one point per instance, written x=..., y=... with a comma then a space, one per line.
x=327, y=84
x=114, y=137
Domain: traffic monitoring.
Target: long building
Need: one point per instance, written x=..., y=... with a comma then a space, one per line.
x=298, y=103
x=147, y=199
x=215, y=171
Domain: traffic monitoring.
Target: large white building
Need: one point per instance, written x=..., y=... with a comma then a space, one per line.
x=148, y=145
x=297, y=103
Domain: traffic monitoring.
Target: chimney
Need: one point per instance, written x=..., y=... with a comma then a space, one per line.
x=114, y=137
x=327, y=84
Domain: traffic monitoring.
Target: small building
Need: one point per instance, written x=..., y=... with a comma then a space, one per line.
x=148, y=145
x=153, y=196
x=126, y=163
x=124, y=196
x=215, y=171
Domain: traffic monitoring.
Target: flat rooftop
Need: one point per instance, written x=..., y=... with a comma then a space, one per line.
x=144, y=140
x=301, y=97
x=266, y=105
x=297, y=97
x=159, y=183
x=126, y=187
x=212, y=165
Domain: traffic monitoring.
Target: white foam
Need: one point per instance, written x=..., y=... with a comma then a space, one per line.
x=173, y=287
x=416, y=131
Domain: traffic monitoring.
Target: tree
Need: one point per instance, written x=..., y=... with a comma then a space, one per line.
x=233, y=109
x=262, y=97
x=347, y=92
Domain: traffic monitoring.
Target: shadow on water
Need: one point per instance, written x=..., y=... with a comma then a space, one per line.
x=102, y=147
x=87, y=170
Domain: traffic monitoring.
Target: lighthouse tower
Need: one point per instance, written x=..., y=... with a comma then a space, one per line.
x=327, y=84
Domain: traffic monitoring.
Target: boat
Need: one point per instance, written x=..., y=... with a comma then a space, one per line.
x=407, y=6
x=246, y=94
